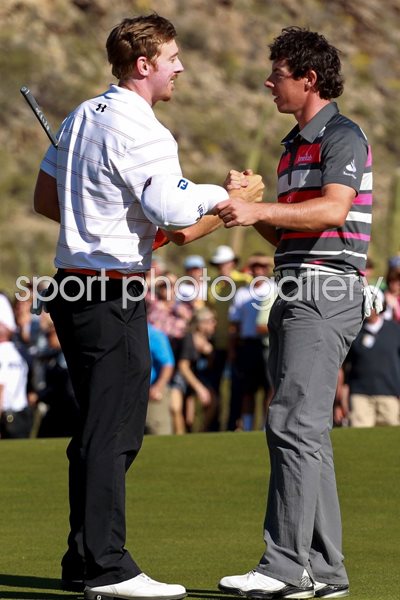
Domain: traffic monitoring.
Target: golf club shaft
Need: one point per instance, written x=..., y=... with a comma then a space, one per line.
x=27, y=94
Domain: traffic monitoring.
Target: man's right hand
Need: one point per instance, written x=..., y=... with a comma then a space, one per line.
x=235, y=212
x=245, y=185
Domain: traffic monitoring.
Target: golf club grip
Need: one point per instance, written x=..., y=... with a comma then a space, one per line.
x=27, y=94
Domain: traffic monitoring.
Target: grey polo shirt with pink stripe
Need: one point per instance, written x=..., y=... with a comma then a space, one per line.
x=329, y=149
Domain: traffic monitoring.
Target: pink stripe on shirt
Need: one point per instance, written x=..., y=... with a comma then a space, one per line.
x=327, y=234
x=363, y=199
x=369, y=157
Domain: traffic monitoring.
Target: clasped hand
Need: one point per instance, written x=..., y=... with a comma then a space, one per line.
x=245, y=188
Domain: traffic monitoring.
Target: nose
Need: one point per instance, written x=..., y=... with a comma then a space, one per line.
x=179, y=67
x=268, y=83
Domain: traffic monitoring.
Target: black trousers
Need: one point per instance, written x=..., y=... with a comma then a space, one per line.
x=107, y=351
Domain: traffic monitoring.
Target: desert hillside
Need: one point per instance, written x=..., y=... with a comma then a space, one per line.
x=221, y=114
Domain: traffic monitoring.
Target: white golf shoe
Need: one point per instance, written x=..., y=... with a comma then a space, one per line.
x=330, y=590
x=140, y=587
x=259, y=586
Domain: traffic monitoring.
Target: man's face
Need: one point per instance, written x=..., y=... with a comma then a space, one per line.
x=207, y=325
x=164, y=72
x=289, y=94
x=195, y=272
x=226, y=267
x=259, y=270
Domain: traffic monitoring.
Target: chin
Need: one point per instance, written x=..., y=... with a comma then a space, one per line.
x=284, y=110
x=166, y=96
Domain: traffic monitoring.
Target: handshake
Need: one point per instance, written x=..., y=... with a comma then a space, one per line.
x=245, y=186
x=173, y=202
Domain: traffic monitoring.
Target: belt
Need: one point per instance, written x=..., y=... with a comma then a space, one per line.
x=296, y=273
x=282, y=273
x=111, y=274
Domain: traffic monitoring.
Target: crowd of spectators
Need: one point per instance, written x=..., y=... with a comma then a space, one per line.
x=208, y=335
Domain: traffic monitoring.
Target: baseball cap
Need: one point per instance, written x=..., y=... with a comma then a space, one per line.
x=394, y=262
x=174, y=202
x=194, y=261
x=6, y=313
x=222, y=254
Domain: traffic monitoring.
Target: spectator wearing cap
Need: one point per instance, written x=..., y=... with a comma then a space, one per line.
x=371, y=374
x=247, y=343
x=193, y=286
x=29, y=333
x=392, y=292
x=220, y=293
x=15, y=411
x=6, y=313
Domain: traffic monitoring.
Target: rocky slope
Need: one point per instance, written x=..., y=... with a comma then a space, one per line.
x=221, y=113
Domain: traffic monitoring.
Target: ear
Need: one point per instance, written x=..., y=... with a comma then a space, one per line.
x=311, y=79
x=143, y=66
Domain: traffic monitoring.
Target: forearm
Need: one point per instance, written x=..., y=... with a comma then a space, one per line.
x=204, y=226
x=209, y=223
x=164, y=377
x=188, y=375
x=316, y=214
x=268, y=232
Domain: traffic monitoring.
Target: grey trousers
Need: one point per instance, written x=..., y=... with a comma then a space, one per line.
x=310, y=335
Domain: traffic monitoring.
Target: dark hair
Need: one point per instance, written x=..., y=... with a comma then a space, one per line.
x=139, y=36
x=306, y=50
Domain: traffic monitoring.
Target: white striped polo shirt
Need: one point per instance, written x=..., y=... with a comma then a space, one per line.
x=329, y=149
x=108, y=147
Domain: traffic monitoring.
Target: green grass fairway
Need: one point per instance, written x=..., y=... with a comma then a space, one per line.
x=195, y=508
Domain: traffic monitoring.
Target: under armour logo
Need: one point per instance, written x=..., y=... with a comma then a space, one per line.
x=101, y=107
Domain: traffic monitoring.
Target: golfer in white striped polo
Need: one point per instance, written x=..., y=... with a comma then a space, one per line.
x=92, y=185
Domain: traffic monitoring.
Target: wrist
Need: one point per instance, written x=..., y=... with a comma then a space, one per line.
x=256, y=214
x=261, y=213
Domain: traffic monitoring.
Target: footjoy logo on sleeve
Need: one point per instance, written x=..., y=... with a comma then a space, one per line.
x=183, y=183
